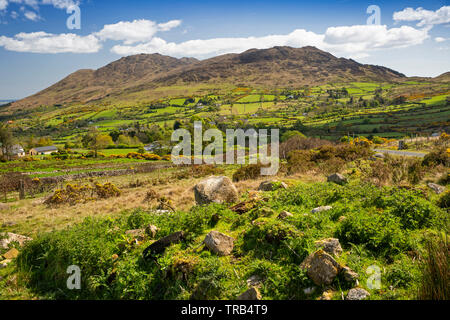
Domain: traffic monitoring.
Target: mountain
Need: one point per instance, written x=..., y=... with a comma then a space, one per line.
x=140, y=75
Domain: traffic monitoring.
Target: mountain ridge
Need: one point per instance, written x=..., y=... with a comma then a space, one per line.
x=143, y=73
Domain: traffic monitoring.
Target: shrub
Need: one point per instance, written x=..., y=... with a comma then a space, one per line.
x=249, y=172
x=300, y=161
x=436, y=157
x=444, y=201
x=380, y=233
x=74, y=193
x=412, y=209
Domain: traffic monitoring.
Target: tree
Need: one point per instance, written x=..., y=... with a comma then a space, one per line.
x=6, y=141
x=101, y=142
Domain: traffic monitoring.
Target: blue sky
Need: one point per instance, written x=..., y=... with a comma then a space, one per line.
x=37, y=49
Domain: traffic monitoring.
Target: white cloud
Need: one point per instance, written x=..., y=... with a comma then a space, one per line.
x=440, y=39
x=42, y=42
x=33, y=16
x=3, y=4
x=352, y=41
x=425, y=17
x=134, y=31
x=169, y=25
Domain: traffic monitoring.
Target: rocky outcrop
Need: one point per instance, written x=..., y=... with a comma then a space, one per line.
x=272, y=185
x=436, y=188
x=8, y=238
x=330, y=245
x=321, y=267
x=250, y=294
x=338, y=179
x=219, y=243
x=215, y=190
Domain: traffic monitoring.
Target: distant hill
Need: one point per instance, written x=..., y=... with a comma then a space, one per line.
x=140, y=75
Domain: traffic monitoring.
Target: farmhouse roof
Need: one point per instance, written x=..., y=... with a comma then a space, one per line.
x=46, y=149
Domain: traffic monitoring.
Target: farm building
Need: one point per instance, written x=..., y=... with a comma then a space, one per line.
x=16, y=151
x=43, y=150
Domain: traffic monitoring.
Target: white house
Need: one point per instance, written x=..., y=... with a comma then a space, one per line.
x=43, y=150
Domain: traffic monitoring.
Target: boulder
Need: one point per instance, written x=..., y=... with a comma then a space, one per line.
x=330, y=245
x=254, y=281
x=357, y=294
x=11, y=254
x=219, y=243
x=272, y=185
x=250, y=294
x=349, y=275
x=6, y=239
x=337, y=178
x=320, y=209
x=215, y=189
x=436, y=188
x=284, y=215
x=160, y=246
x=321, y=267
x=151, y=231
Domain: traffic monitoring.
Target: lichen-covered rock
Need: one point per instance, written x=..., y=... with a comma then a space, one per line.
x=284, y=215
x=6, y=239
x=160, y=246
x=320, y=209
x=349, y=275
x=151, y=231
x=250, y=294
x=330, y=245
x=436, y=188
x=219, y=243
x=321, y=267
x=255, y=281
x=337, y=178
x=272, y=185
x=357, y=294
x=215, y=190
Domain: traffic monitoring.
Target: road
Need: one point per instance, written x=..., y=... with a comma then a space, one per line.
x=402, y=153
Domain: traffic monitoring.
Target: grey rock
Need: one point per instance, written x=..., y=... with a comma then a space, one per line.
x=219, y=243
x=215, y=190
x=250, y=294
x=330, y=245
x=320, y=209
x=321, y=267
x=357, y=294
x=436, y=188
x=337, y=178
x=272, y=185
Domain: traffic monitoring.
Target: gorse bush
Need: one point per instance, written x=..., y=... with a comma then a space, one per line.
x=249, y=172
x=438, y=156
x=74, y=193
